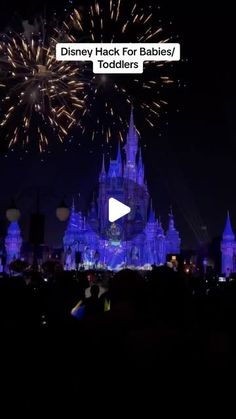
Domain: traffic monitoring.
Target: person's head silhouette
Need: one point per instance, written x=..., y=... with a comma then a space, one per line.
x=94, y=291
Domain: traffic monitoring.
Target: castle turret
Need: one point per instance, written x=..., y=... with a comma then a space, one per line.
x=172, y=236
x=150, y=245
x=103, y=175
x=152, y=217
x=102, y=198
x=13, y=242
x=228, y=245
x=161, y=244
x=93, y=215
x=160, y=230
x=116, y=166
x=71, y=239
x=131, y=149
x=119, y=161
x=140, y=170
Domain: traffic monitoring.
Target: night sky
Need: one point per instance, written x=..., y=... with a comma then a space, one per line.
x=189, y=157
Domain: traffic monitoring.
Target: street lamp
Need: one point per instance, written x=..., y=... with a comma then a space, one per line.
x=13, y=213
x=62, y=211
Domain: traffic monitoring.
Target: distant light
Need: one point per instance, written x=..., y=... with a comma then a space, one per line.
x=13, y=214
x=62, y=212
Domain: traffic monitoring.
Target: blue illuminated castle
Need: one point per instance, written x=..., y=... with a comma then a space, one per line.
x=104, y=244
x=228, y=249
x=13, y=242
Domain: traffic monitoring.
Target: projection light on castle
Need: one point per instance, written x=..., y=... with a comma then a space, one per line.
x=13, y=242
x=135, y=239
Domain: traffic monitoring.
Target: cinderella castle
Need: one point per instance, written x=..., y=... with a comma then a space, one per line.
x=137, y=240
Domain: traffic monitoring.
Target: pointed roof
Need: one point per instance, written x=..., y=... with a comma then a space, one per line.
x=152, y=217
x=132, y=133
x=160, y=231
x=119, y=158
x=140, y=160
x=103, y=171
x=228, y=231
x=131, y=121
x=72, y=223
x=103, y=164
x=171, y=219
x=172, y=234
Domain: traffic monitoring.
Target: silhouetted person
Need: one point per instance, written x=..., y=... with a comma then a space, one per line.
x=93, y=305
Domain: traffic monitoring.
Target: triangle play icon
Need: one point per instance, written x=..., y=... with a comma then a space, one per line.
x=117, y=209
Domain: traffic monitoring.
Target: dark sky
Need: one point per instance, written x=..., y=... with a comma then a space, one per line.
x=191, y=165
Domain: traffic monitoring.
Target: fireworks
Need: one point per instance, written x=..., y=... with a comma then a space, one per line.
x=44, y=98
x=42, y=94
x=108, y=97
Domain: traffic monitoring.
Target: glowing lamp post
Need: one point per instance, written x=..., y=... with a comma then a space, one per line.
x=13, y=213
x=62, y=212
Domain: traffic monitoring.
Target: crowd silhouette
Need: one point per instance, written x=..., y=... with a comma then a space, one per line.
x=80, y=328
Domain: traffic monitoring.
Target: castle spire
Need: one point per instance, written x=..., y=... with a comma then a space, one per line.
x=119, y=158
x=140, y=167
x=140, y=161
x=160, y=231
x=228, y=231
x=103, y=171
x=171, y=219
x=72, y=224
x=227, y=248
x=131, y=149
x=119, y=161
x=103, y=164
x=132, y=136
x=131, y=122
x=152, y=217
x=172, y=236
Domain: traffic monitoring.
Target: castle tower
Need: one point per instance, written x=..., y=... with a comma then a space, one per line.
x=228, y=245
x=71, y=239
x=102, y=201
x=103, y=175
x=151, y=238
x=139, y=239
x=93, y=215
x=131, y=149
x=140, y=170
x=119, y=162
x=13, y=242
x=172, y=237
x=161, y=244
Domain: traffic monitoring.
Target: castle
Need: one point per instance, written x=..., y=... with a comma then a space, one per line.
x=13, y=243
x=107, y=245
x=228, y=249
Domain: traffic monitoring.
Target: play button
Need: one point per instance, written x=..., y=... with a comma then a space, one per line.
x=117, y=210
x=120, y=215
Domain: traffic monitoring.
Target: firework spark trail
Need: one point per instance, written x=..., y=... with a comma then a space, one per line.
x=42, y=94
x=110, y=96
